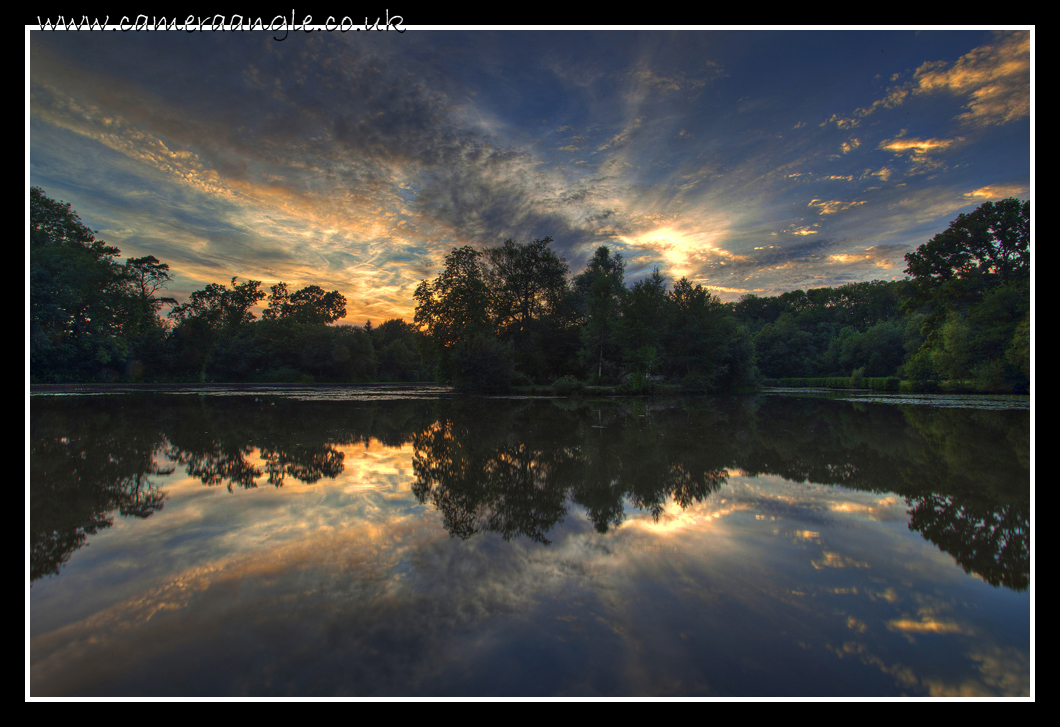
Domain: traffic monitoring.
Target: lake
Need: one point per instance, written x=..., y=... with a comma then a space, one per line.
x=402, y=542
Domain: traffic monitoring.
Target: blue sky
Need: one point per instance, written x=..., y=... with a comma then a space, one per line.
x=748, y=161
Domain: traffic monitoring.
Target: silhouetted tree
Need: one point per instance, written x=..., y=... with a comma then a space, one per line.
x=307, y=305
x=598, y=294
x=455, y=306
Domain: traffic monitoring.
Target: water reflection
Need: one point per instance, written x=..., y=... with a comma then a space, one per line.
x=81, y=471
x=691, y=547
x=515, y=469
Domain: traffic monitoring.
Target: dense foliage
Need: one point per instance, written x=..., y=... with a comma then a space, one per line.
x=962, y=316
x=514, y=314
x=95, y=319
x=511, y=314
x=971, y=290
x=91, y=317
x=828, y=331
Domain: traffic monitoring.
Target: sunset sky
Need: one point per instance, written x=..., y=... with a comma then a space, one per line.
x=748, y=161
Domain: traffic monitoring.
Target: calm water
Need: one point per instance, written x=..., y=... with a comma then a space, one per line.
x=324, y=542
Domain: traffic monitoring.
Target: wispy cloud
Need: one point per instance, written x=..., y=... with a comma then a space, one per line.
x=357, y=165
x=832, y=206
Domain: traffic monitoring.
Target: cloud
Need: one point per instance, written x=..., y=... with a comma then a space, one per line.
x=916, y=147
x=622, y=138
x=997, y=191
x=895, y=97
x=841, y=121
x=919, y=152
x=830, y=207
x=884, y=173
x=996, y=78
x=365, y=163
x=335, y=150
x=645, y=77
x=880, y=256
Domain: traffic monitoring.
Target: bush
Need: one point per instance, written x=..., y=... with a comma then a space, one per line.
x=568, y=385
x=857, y=378
x=639, y=385
x=921, y=372
x=882, y=383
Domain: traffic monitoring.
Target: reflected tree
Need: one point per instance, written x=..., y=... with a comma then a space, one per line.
x=82, y=469
x=990, y=541
x=482, y=480
x=515, y=469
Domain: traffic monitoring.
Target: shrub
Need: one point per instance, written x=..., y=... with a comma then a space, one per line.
x=568, y=385
x=639, y=385
x=882, y=383
x=857, y=378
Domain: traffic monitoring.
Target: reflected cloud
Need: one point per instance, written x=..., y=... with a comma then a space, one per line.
x=673, y=519
x=831, y=559
x=581, y=555
x=924, y=626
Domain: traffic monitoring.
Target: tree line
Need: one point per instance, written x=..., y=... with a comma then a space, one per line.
x=94, y=318
x=514, y=315
x=961, y=316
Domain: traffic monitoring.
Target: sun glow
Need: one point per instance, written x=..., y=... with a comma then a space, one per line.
x=682, y=250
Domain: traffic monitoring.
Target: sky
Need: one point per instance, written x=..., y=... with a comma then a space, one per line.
x=757, y=161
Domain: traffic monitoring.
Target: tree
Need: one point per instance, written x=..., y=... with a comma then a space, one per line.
x=398, y=345
x=309, y=305
x=81, y=306
x=598, y=294
x=483, y=364
x=526, y=282
x=455, y=306
x=644, y=323
x=706, y=344
x=217, y=307
x=210, y=311
x=529, y=304
x=783, y=350
x=979, y=251
x=73, y=277
x=147, y=276
x=972, y=284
